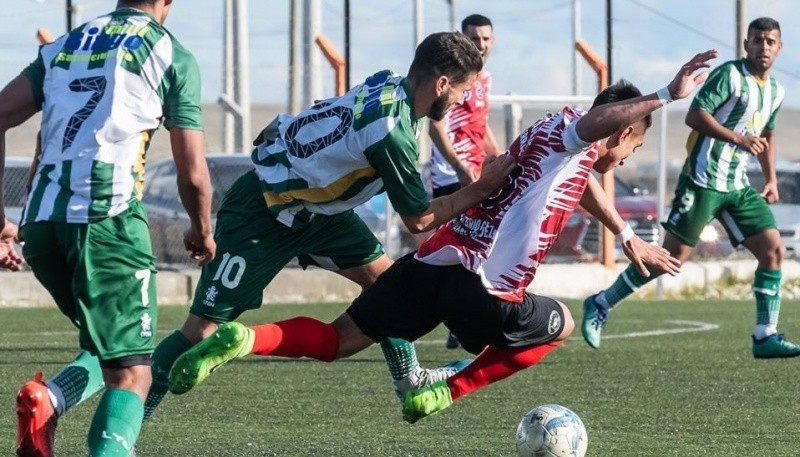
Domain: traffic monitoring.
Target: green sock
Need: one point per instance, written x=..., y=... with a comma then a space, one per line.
x=165, y=355
x=767, y=290
x=116, y=424
x=76, y=382
x=626, y=283
x=400, y=357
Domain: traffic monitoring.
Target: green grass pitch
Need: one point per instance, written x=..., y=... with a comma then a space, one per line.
x=697, y=391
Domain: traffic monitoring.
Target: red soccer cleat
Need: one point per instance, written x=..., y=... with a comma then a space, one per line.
x=36, y=420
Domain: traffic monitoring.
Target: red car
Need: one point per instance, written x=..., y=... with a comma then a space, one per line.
x=580, y=239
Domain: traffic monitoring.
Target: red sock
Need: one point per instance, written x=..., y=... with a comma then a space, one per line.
x=298, y=337
x=494, y=364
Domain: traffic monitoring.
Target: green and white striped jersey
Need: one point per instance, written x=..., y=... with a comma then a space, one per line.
x=104, y=88
x=742, y=103
x=341, y=152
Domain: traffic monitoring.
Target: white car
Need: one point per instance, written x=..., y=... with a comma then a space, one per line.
x=787, y=209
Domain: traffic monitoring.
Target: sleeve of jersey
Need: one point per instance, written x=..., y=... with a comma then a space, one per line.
x=35, y=74
x=572, y=142
x=182, y=94
x=716, y=90
x=395, y=158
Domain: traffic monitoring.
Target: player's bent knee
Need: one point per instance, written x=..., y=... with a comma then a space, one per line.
x=129, y=373
x=569, y=323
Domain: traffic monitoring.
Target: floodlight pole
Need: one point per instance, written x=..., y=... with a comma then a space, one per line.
x=741, y=28
x=235, y=99
x=69, y=16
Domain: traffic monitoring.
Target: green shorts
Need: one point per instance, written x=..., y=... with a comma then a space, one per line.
x=743, y=213
x=102, y=276
x=252, y=247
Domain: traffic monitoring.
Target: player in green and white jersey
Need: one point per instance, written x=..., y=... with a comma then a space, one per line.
x=732, y=118
x=311, y=170
x=103, y=89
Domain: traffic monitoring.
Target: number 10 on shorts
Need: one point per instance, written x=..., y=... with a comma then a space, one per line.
x=230, y=270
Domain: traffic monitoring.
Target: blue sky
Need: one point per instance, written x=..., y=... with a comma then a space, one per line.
x=652, y=38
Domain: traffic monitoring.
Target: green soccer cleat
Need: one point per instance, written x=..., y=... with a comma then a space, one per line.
x=594, y=318
x=774, y=346
x=230, y=341
x=426, y=401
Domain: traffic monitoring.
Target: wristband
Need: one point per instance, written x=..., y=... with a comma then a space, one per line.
x=627, y=233
x=664, y=96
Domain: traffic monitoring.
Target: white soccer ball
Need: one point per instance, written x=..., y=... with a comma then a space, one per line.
x=551, y=431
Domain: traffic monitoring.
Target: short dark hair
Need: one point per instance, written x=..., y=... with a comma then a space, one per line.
x=621, y=90
x=138, y=2
x=475, y=20
x=449, y=54
x=763, y=24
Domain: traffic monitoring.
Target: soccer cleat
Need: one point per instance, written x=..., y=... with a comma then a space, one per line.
x=594, y=318
x=452, y=341
x=230, y=341
x=426, y=401
x=422, y=377
x=36, y=420
x=774, y=346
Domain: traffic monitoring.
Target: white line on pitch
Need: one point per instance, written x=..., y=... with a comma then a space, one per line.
x=692, y=326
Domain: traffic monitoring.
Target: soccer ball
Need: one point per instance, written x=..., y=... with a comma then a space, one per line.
x=551, y=431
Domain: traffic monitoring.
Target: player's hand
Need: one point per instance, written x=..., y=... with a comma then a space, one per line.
x=9, y=258
x=770, y=192
x=752, y=144
x=201, y=247
x=495, y=173
x=467, y=174
x=644, y=254
x=687, y=79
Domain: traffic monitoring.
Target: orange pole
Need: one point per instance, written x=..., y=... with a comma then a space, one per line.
x=607, y=254
x=335, y=59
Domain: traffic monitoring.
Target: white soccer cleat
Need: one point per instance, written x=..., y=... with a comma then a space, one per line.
x=422, y=377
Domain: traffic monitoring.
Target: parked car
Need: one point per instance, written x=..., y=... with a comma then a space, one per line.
x=168, y=219
x=787, y=209
x=15, y=186
x=580, y=239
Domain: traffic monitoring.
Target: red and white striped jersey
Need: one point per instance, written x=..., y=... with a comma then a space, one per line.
x=506, y=237
x=466, y=128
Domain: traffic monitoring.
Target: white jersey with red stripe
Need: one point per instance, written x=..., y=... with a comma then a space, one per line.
x=506, y=237
x=466, y=129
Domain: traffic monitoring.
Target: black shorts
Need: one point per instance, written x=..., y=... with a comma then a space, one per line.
x=411, y=298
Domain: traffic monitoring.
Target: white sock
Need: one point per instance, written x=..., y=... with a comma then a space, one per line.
x=763, y=331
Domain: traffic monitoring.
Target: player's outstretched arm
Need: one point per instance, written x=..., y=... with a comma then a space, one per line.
x=641, y=253
x=602, y=121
